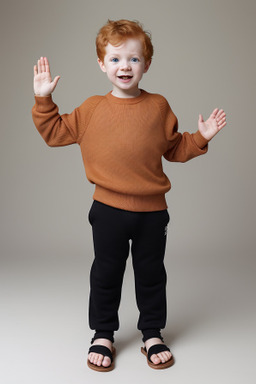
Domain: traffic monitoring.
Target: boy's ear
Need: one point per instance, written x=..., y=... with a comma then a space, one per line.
x=101, y=64
x=147, y=65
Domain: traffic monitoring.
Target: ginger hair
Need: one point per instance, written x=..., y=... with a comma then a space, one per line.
x=116, y=32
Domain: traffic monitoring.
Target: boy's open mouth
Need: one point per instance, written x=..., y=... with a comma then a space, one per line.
x=125, y=77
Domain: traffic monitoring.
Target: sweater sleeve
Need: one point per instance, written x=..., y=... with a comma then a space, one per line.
x=59, y=130
x=181, y=147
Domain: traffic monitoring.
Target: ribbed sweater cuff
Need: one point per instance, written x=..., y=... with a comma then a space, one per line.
x=200, y=141
x=43, y=101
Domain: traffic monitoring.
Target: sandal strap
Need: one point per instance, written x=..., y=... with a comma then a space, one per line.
x=157, y=348
x=102, y=350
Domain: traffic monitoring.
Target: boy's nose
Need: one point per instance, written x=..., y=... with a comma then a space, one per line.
x=125, y=66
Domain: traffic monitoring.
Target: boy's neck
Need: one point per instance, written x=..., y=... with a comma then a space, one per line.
x=126, y=94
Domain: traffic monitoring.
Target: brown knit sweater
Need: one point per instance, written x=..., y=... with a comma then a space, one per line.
x=122, y=142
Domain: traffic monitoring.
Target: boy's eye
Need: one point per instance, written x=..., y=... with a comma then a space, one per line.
x=134, y=60
x=114, y=59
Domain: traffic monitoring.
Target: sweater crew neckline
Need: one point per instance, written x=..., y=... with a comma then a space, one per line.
x=126, y=100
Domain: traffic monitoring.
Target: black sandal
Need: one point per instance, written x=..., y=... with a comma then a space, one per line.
x=154, y=350
x=105, y=351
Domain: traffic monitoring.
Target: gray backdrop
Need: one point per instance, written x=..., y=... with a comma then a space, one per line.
x=204, y=58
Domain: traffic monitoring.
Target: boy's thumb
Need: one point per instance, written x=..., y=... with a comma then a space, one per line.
x=200, y=118
x=55, y=81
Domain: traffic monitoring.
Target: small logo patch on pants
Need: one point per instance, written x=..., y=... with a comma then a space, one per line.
x=165, y=230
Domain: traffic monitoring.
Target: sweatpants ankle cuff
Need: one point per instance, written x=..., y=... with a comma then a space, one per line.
x=103, y=335
x=150, y=333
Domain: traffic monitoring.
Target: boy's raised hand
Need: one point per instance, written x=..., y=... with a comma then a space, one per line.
x=43, y=83
x=213, y=125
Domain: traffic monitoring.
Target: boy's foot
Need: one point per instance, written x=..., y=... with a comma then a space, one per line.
x=98, y=359
x=162, y=357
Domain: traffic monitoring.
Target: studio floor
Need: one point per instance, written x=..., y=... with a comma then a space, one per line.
x=45, y=334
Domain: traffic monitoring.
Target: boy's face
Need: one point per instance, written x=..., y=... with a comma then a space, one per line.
x=125, y=66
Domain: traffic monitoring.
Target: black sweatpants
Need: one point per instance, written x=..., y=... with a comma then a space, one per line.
x=112, y=229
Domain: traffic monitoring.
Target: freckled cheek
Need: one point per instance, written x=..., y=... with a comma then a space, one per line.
x=112, y=72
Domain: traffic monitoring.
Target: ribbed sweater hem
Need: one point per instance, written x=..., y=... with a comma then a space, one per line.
x=136, y=203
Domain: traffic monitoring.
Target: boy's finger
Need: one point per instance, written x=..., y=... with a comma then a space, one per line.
x=35, y=70
x=220, y=112
x=221, y=117
x=47, y=66
x=214, y=113
x=39, y=66
x=42, y=64
x=221, y=121
x=222, y=125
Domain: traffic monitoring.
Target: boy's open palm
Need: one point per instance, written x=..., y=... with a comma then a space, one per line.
x=213, y=125
x=43, y=83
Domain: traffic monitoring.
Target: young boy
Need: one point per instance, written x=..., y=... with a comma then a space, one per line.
x=123, y=136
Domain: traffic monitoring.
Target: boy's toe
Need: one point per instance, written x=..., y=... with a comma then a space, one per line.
x=165, y=356
x=106, y=362
x=169, y=356
x=99, y=361
x=95, y=359
x=155, y=359
x=91, y=357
